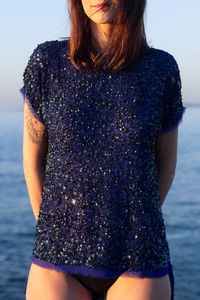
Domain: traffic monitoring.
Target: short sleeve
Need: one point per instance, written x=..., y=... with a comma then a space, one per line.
x=33, y=79
x=172, y=106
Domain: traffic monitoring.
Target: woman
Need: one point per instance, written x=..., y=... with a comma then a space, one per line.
x=101, y=116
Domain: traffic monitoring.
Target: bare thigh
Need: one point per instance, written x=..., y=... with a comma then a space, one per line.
x=46, y=284
x=131, y=288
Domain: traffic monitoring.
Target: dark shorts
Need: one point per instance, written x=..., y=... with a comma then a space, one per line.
x=99, y=286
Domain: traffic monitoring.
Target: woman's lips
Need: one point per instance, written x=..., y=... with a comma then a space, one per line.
x=102, y=5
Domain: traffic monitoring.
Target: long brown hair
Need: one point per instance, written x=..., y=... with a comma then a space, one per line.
x=127, y=43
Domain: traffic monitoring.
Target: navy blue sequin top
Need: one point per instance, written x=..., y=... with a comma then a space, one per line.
x=100, y=213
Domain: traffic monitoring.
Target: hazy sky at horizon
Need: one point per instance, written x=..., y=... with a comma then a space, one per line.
x=170, y=25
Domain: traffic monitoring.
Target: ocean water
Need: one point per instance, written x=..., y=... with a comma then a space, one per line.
x=181, y=210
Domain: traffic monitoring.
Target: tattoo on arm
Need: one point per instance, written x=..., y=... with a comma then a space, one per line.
x=36, y=133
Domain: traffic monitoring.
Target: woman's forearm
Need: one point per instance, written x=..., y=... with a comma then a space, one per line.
x=166, y=157
x=165, y=179
x=35, y=145
x=34, y=177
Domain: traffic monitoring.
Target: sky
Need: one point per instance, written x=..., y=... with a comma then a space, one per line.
x=171, y=25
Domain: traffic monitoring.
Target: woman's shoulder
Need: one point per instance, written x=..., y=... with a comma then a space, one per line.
x=163, y=60
x=48, y=55
x=51, y=48
x=48, y=51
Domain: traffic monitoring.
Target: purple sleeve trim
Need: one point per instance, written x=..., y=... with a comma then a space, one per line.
x=177, y=124
x=82, y=270
x=23, y=92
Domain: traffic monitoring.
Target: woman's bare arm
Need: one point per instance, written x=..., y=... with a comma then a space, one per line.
x=166, y=157
x=34, y=153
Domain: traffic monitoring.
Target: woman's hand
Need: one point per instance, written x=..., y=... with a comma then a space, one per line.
x=166, y=157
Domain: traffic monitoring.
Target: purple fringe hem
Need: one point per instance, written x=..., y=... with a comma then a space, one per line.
x=82, y=270
x=23, y=92
x=177, y=124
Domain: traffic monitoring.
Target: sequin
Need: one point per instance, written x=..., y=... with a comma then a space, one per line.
x=100, y=212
